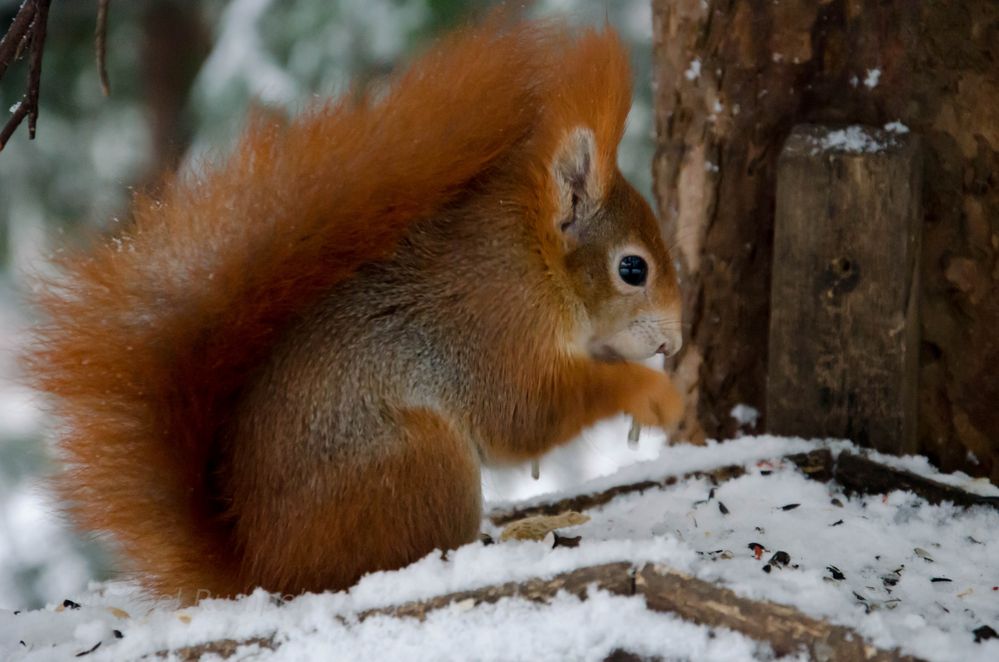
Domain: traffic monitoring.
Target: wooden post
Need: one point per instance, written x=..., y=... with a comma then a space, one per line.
x=843, y=338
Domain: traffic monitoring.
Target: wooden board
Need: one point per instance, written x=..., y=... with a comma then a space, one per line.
x=843, y=344
x=664, y=589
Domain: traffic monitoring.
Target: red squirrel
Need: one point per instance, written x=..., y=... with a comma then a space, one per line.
x=288, y=369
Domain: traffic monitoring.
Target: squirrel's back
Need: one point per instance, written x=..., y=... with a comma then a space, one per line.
x=153, y=341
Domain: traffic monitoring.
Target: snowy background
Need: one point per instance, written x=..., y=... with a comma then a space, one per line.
x=90, y=152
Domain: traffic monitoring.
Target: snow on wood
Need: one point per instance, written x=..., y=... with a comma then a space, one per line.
x=769, y=546
x=844, y=328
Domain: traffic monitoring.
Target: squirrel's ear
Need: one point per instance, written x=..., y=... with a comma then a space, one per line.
x=574, y=171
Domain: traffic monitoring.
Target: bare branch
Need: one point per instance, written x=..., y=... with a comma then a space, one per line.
x=15, y=119
x=39, y=27
x=30, y=23
x=100, y=36
x=11, y=43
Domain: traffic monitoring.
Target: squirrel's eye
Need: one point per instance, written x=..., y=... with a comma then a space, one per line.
x=633, y=270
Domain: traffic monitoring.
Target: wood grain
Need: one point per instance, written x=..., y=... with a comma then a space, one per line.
x=844, y=327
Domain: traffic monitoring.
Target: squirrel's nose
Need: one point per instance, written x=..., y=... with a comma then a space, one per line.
x=671, y=346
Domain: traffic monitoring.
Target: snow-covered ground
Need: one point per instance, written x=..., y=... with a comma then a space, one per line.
x=900, y=571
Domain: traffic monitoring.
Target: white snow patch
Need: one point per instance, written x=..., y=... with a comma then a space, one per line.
x=920, y=465
x=745, y=415
x=239, y=54
x=518, y=629
x=693, y=72
x=896, y=127
x=598, y=451
x=852, y=139
x=676, y=461
x=872, y=78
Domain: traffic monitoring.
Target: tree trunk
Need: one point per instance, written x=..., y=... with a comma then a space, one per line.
x=732, y=78
x=168, y=73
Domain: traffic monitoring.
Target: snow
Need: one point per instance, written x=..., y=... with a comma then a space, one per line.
x=568, y=628
x=868, y=563
x=239, y=54
x=874, y=538
x=599, y=451
x=918, y=464
x=693, y=72
x=872, y=78
x=36, y=554
x=745, y=415
x=853, y=140
x=896, y=127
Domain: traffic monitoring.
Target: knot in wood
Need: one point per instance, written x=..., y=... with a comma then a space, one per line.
x=840, y=277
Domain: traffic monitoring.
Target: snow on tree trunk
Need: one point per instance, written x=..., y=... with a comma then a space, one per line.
x=732, y=78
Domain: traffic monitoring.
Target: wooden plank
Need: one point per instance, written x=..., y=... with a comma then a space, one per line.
x=843, y=345
x=855, y=473
x=664, y=589
x=786, y=629
x=862, y=475
x=597, y=499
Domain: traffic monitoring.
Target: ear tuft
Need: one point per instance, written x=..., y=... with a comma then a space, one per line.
x=575, y=178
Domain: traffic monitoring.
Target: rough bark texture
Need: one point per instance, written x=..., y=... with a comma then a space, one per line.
x=732, y=78
x=843, y=316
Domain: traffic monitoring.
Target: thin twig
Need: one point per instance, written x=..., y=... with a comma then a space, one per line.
x=10, y=44
x=30, y=23
x=15, y=119
x=100, y=36
x=35, y=66
x=23, y=46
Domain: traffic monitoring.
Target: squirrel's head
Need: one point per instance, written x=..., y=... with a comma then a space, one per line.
x=617, y=263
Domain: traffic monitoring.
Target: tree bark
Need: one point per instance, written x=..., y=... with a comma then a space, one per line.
x=732, y=78
x=168, y=74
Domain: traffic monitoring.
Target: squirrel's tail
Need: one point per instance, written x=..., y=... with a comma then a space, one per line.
x=149, y=336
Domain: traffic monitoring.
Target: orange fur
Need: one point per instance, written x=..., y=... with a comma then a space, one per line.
x=151, y=337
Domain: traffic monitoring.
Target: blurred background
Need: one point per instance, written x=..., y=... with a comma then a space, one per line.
x=183, y=75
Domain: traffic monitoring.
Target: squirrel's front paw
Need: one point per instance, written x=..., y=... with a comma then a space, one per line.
x=659, y=404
